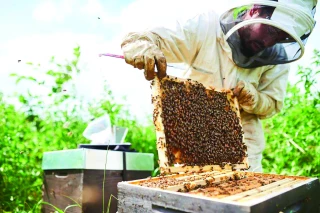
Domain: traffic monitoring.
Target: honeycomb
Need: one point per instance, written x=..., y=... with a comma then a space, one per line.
x=196, y=126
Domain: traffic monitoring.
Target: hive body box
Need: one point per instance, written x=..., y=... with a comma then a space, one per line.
x=302, y=195
x=190, y=182
x=77, y=176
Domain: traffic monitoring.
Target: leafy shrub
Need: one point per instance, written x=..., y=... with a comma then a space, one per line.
x=52, y=121
x=24, y=139
x=293, y=135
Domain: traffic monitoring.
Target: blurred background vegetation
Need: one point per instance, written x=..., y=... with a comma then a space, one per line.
x=56, y=119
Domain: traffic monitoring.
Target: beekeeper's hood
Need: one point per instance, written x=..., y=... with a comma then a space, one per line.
x=282, y=27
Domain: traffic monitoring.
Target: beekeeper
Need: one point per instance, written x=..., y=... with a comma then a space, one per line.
x=246, y=49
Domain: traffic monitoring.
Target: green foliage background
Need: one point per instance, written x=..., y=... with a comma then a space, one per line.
x=55, y=121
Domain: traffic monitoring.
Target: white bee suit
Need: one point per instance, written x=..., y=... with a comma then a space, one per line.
x=200, y=43
x=204, y=44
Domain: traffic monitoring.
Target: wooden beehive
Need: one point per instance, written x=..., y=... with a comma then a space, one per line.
x=89, y=177
x=253, y=192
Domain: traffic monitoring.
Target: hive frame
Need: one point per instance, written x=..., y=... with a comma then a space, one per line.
x=165, y=168
x=190, y=183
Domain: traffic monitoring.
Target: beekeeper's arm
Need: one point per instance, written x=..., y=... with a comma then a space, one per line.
x=175, y=43
x=267, y=99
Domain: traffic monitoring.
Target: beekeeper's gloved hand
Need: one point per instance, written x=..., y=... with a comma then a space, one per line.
x=140, y=50
x=253, y=101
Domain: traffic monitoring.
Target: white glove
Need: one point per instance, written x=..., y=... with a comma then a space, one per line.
x=253, y=101
x=141, y=52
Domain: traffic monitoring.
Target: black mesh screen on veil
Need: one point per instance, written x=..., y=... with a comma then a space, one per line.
x=258, y=44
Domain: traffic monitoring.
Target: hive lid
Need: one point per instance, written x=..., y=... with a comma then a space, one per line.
x=198, y=129
x=97, y=159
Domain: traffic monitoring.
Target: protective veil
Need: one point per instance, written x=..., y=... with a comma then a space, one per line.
x=200, y=43
x=291, y=19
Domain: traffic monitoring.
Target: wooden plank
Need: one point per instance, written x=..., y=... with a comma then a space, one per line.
x=190, y=185
x=276, y=175
x=198, y=175
x=256, y=190
x=157, y=178
x=198, y=169
x=175, y=176
x=93, y=190
x=60, y=186
x=287, y=184
x=161, y=138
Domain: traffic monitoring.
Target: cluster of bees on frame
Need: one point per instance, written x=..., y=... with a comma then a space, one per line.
x=227, y=186
x=231, y=187
x=200, y=124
